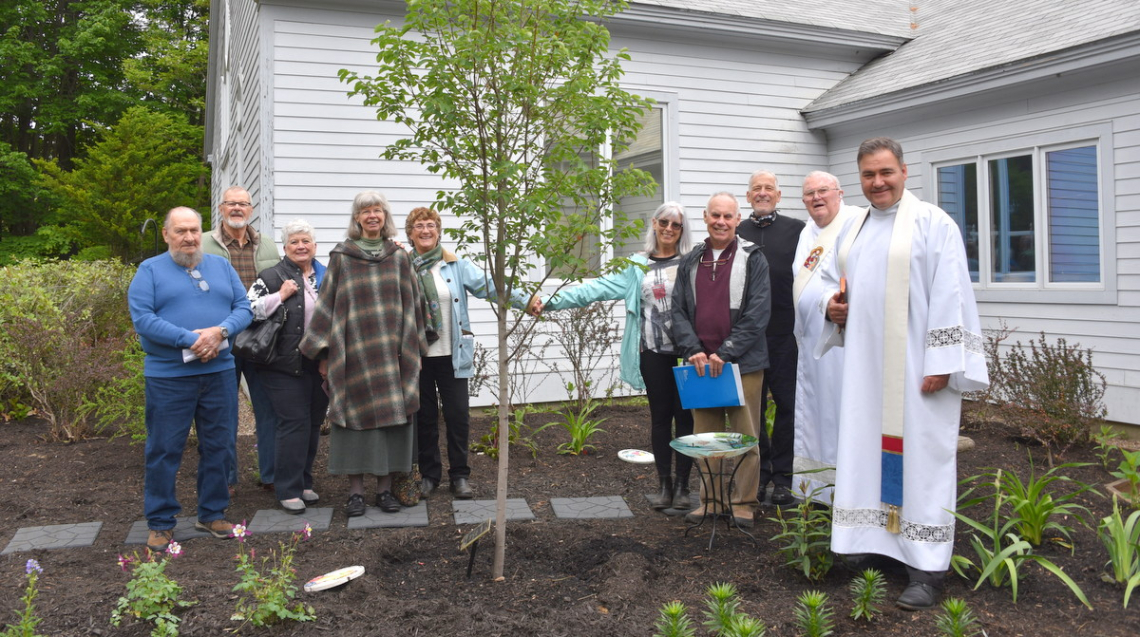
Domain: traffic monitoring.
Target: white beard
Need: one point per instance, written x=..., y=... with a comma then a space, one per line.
x=187, y=260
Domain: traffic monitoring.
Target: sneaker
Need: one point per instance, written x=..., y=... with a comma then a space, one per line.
x=157, y=541
x=782, y=496
x=743, y=516
x=310, y=497
x=696, y=515
x=293, y=506
x=218, y=528
x=354, y=508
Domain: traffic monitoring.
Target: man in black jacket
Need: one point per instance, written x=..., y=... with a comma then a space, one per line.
x=777, y=237
x=720, y=310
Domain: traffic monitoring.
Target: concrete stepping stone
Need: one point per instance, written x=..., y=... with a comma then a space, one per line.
x=56, y=536
x=278, y=521
x=476, y=511
x=597, y=507
x=183, y=530
x=374, y=518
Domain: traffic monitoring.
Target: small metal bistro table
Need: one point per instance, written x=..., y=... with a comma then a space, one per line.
x=709, y=451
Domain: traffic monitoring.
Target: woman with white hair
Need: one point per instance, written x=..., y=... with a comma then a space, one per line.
x=368, y=334
x=291, y=380
x=647, y=352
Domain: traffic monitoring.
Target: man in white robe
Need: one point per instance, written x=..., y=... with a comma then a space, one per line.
x=913, y=343
x=818, y=380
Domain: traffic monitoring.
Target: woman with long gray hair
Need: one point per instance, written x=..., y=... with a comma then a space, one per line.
x=647, y=353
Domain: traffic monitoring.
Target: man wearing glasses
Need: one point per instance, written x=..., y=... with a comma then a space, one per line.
x=236, y=240
x=777, y=237
x=184, y=305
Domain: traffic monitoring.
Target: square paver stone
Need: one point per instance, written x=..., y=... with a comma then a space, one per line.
x=476, y=511
x=605, y=506
x=375, y=518
x=183, y=530
x=278, y=521
x=56, y=536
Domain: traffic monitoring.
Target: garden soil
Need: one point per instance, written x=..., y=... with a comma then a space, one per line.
x=580, y=578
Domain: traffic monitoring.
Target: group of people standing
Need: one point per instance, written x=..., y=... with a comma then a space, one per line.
x=860, y=324
x=372, y=344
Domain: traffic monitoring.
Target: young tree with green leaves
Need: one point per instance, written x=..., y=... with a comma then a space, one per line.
x=510, y=102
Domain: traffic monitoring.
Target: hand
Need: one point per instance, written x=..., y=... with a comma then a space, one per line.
x=699, y=361
x=716, y=365
x=208, y=343
x=931, y=384
x=288, y=289
x=837, y=311
x=534, y=308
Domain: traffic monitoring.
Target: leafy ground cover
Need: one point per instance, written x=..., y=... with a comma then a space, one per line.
x=563, y=577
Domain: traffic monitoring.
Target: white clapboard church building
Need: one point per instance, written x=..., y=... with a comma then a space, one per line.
x=1020, y=118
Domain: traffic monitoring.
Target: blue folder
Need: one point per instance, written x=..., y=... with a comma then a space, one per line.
x=699, y=392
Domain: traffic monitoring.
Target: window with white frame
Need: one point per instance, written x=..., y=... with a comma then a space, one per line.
x=1031, y=217
x=648, y=152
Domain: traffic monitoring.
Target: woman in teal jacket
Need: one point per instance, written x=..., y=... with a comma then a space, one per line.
x=647, y=352
x=446, y=280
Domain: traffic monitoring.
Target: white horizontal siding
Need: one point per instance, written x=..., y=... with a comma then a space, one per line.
x=1108, y=330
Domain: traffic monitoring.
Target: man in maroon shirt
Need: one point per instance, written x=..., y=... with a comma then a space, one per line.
x=721, y=304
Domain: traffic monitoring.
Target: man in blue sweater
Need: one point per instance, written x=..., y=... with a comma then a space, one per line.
x=186, y=306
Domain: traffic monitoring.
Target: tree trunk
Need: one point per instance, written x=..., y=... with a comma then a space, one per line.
x=504, y=451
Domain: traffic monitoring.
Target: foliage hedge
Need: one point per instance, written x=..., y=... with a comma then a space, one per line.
x=67, y=346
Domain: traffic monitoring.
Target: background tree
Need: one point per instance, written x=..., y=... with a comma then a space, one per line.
x=68, y=70
x=171, y=70
x=510, y=101
x=145, y=164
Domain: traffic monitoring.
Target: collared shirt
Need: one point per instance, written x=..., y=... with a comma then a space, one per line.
x=243, y=258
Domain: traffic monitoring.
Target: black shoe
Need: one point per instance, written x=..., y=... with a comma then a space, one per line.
x=682, y=500
x=918, y=596
x=782, y=496
x=387, y=502
x=355, y=506
x=426, y=487
x=664, y=499
x=461, y=490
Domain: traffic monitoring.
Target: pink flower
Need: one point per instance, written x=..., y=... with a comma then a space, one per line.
x=240, y=532
x=174, y=549
x=125, y=562
x=306, y=532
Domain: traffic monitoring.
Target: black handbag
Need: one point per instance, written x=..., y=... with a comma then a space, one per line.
x=258, y=342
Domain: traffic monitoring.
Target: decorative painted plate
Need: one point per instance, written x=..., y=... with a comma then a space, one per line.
x=333, y=579
x=636, y=456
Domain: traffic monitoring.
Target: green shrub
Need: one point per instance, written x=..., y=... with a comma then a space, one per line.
x=1050, y=391
x=65, y=332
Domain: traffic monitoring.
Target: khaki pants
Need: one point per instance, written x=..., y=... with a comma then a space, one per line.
x=745, y=420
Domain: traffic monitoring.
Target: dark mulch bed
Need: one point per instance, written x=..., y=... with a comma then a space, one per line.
x=580, y=578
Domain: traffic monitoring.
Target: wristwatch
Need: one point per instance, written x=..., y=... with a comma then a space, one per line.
x=225, y=331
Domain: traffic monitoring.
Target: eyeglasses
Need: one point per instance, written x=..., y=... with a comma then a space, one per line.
x=424, y=226
x=664, y=224
x=822, y=192
x=237, y=204
x=197, y=276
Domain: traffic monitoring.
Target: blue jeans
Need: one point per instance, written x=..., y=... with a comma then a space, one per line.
x=210, y=402
x=266, y=422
